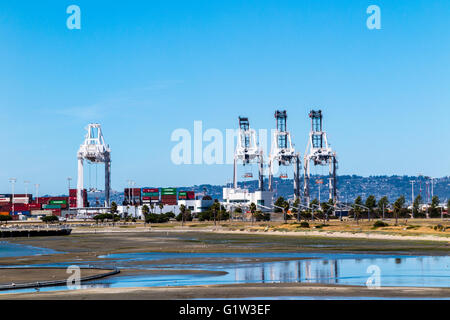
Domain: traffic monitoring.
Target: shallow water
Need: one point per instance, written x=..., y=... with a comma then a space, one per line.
x=349, y=269
x=18, y=250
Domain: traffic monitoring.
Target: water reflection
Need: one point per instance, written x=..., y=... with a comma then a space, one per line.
x=347, y=269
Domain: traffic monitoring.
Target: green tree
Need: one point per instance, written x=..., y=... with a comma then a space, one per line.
x=161, y=207
x=215, y=208
x=113, y=207
x=371, y=203
x=398, y=207
x=416, y=205
x=357, y=208
x=145, y=212
x=182, y=213
x=448, y=207
x=49, y=219
x=5, y=219
x=434, y=206
x=382, y=204
x=253, y=210
x=279, y=203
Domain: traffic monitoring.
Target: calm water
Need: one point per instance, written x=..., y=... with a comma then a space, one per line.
x=17, y=250
x=350, y=269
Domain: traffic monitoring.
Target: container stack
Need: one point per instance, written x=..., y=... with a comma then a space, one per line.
x=73, y=198
x=132, y=196
x=169, y=196
x=186, y=195
x=150, y=195
x=55, y=204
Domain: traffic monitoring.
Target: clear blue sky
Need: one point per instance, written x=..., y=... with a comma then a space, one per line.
x=145, y=68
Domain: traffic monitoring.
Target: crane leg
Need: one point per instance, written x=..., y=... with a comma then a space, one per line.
x=107, y=181
x=80, y=183
x=261, y=172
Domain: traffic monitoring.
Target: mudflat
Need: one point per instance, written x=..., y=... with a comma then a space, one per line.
x=33, y=275
x=91, y=248
x=234, y=291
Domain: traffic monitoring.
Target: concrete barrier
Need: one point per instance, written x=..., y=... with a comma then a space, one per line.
x=110, y=272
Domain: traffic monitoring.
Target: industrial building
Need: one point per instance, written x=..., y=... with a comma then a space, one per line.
x=236, y=197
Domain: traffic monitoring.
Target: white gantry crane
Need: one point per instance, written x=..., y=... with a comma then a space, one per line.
x=283, y=152
x=248, y=151
x=319, y=152
x=94, y=150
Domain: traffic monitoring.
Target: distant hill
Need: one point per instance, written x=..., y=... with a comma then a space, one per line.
x=349, y=186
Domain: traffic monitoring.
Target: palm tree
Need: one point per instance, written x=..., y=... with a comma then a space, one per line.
x=183, y=212
x=357, y=208
x=252, y=210
x=161, y=207
x=215, y=208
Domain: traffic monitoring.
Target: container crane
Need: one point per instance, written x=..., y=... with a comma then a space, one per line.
x=248, y=151
x=283, y=152
x=94, y=150
x=319, y=152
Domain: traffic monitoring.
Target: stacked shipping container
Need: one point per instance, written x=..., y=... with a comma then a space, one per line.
x=73, y=198
x=169, y=196
x=150, y=195
x=132, y=196
x=186, y=195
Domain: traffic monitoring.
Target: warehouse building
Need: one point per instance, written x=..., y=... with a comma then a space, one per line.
x=243, y=197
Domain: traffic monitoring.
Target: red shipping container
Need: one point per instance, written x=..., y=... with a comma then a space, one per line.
x=190, y=195
x=150, y=190
x=35, y=206
x=20, y=207
x=146, y=198
x=73, y=192
x=44, y=200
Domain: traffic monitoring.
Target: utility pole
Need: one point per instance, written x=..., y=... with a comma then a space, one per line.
x=12, y=181
x=26, y=182
x=37, y=192
x=412, y=198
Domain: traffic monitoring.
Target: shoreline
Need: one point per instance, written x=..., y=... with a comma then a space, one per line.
x=236, y=291
x=325, y=234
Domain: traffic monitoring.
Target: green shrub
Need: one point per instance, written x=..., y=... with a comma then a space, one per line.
x=379, y=224
x=49, y=219
x=304, y=224
x=187, y=217
x=156, y=218
x=260, y=216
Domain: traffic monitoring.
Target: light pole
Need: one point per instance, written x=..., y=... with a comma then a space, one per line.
x=12, y=181
x=26, y=182
x=37, y=192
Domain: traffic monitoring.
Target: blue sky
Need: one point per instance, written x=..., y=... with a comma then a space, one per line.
x=145, y=68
